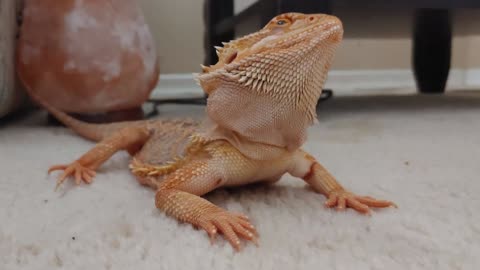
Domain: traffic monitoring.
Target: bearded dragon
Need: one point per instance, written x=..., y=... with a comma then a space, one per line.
x=262, y=97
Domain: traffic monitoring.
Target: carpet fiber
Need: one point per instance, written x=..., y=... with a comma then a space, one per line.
x=422, y=152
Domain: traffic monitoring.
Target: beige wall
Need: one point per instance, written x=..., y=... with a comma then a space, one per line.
x=379, y=39
x=177, y=27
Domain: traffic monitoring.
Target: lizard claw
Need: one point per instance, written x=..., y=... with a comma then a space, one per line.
x=75, y=169
x=343, y=199
x=233, y=227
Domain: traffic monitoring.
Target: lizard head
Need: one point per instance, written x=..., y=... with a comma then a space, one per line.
x=266, y=85
x=281, y=33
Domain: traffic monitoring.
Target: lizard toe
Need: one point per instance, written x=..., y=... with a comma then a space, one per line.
x=362, y=204
x=79, y=172
x=232, y=226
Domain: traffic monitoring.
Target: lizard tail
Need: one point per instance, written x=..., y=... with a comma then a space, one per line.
x=94, y=132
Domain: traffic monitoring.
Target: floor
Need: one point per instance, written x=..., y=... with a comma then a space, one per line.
x=422, y=152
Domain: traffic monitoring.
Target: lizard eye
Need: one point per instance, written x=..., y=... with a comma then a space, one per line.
x=281, y=22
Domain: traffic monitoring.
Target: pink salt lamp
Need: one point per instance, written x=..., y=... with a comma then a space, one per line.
x=87, y=56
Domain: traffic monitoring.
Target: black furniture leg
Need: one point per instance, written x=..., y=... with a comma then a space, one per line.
x=432, y=49
x=216, y=11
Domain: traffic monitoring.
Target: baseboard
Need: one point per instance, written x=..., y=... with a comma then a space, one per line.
x=177, y=86
x=342, y=81
x=472, y=77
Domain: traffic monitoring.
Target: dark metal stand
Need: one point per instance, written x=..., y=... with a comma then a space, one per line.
x=432, y=39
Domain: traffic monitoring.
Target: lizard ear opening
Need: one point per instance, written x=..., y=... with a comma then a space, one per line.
x=231, y=57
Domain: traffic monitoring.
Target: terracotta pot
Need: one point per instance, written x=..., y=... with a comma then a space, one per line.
x=87, y=56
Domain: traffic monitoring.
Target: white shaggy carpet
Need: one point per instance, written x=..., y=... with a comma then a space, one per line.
x=422, y=152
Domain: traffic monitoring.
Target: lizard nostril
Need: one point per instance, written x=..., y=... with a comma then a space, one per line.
x=311, y=18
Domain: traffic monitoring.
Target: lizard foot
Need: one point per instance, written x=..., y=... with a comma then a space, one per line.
x=79, y=171
x=343, y=199
x=233, y=227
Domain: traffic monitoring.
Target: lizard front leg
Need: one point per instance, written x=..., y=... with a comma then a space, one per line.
x=83, y=169
x=179, y=196
x=310, y=170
